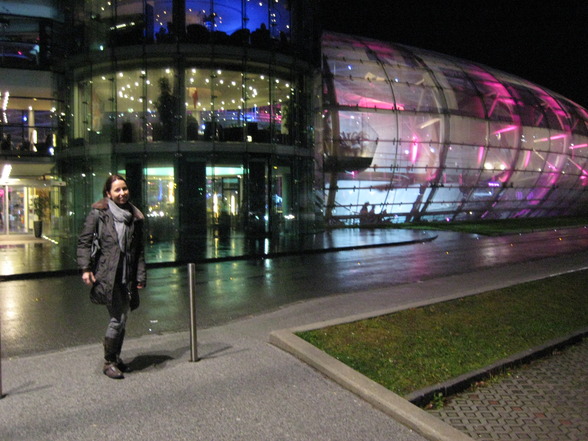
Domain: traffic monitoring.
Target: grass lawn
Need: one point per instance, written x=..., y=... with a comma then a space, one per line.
x=499, y=227
x=409, y=350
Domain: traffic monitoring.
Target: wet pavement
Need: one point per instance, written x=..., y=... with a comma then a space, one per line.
x=371, y=275
x=24, y=256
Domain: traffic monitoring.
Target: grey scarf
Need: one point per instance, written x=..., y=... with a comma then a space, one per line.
x=122, y=221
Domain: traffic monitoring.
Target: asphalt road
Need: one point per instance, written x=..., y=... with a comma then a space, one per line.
x=53, y=313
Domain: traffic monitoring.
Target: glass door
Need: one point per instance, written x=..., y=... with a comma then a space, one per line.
x=224, y=196
x=3, y=210
x=17, y=210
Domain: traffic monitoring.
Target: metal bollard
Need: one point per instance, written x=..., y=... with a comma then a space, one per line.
x=1, y=394
x=193, y=337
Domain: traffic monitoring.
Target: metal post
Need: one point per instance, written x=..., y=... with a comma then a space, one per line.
x=1, y=394
x=193, y=337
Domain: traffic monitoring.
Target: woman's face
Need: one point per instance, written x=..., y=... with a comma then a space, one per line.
x=119, y=192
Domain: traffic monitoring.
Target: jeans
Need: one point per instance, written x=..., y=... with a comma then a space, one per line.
x=118, y=311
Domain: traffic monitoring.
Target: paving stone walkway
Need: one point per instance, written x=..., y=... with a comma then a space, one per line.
x=545, y=400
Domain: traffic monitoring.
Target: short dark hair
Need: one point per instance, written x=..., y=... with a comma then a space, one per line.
x=109, y=181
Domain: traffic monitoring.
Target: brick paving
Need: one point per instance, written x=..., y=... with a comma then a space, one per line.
x=545, y=400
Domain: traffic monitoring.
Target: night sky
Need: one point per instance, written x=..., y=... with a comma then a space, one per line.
x=545, y=42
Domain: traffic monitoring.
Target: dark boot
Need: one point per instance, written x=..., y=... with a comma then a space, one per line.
x=110, y=368
x=120, y=364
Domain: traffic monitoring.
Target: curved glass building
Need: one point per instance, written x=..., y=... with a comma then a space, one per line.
x=236, y=118
x=411, y=135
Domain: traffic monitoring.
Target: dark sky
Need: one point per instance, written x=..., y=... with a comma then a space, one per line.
x=545, y=42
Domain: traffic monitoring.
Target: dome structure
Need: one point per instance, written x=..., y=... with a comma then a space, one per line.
x=412, y=135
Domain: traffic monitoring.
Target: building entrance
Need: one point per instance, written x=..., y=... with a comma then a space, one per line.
x=14, y=210
x=224, y=198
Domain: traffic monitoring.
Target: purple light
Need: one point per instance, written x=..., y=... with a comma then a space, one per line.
x=480, y=154
x=563, y=135
x=527, y=159
x=415, y=149
x=506, y=129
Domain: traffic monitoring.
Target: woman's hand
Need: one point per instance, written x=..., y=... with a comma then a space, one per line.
x=88, y=277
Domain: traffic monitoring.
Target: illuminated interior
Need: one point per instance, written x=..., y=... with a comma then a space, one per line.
x=235, y=106
x=152, y=20
x=410, y=135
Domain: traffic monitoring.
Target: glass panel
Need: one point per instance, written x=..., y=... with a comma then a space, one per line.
x=527, y=106
x=357, y=138
x=224, y=195
x=162, y=15
x=97, y=103
x=227, y=95
x=257, y=15
x=468, y=130
x=497, y=100
x=407, y=75
x=281, y=199
x=256, y=92
x=279, y=20
x=420, y=135
x=131, y=23
x=460, y=93
x=24, y=42
x=462, y=164
x=416, y=98
x=241, y=107
x=17, y=209
x=281, y=93
x=27, y=124
x=445, y=200
x=228, y=16
x=98, y=27
x=130, y=102
x=3, y=210
x=199, y=104
x=578, y=117
x=361, y=82
x=161, y=204
x=162, y=102
x=82, y=124
x=578, y=159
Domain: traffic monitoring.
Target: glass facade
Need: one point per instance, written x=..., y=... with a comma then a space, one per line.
x=31, y=119
x=203, y=105
x=410, y=135
x=259, y=23
x=148, y=105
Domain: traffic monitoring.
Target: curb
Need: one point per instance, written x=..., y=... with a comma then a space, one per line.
x=406, y=410
x=378, y=396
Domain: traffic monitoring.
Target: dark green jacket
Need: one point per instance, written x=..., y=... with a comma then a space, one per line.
x=106, y=261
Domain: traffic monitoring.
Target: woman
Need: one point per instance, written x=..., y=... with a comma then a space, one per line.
x=115, y=266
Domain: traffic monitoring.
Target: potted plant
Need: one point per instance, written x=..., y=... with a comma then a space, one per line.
x=166, y=108
x=40, y=205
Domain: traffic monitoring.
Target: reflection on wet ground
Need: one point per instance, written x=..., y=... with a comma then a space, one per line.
x=38, y=312
x=25, y=254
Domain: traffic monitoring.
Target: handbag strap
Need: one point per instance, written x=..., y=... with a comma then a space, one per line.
x=97, y=236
